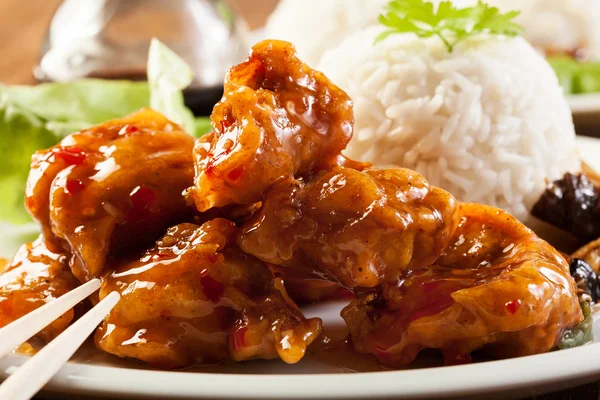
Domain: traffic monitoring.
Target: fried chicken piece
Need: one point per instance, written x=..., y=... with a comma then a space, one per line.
x=195, y=299
x=35, y=276
x=110, y=187
x=357, y=228
x=497, y=286
x=278, y=118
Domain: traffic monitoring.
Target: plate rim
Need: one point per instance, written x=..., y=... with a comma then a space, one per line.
x=464, y=380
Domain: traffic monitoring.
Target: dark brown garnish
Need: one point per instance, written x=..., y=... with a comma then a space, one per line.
x=571, y=203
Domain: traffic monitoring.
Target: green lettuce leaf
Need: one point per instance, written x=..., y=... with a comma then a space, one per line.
x=576, y=77
x=68, y=107
x=203, y=126
x=21, y=134
x=168, y=75
x=13, y=236
x=38, y=117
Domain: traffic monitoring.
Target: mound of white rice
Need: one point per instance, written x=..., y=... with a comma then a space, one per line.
x=487, y=122
x=315, y=26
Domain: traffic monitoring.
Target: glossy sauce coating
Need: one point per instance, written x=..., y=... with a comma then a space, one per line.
x=426, y=271
x=357, y=228
x=497, y=285
x=35, y=276
x=278, y=118
x=110, y=187
x=196, y=299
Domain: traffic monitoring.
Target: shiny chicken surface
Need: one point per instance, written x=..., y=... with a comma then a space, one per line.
x=278, y=118
x=195, y=298
x=357, y=228
x=35, y=276
x=494, y=281
x=111, y=187
x=497, y=285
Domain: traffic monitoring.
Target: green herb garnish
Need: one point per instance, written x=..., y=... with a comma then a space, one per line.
x=452, y=25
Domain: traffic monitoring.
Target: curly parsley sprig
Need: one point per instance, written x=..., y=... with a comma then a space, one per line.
x=452, y=25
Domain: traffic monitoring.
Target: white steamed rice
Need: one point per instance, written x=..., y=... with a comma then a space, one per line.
x=314, y=26
x=488, y=122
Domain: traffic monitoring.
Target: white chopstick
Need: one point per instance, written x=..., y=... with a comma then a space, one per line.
x=35, y=373
x=21, y=330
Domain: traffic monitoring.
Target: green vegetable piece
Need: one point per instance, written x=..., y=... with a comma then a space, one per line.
x=580, y=334
x=13, y=236
x=38, y=117
x=574, y=76
x=588, y=78
x=21, y=134
x=450, y=24
x=566, y=70
x=69, y=107
x=203, y=126
x=168, y=75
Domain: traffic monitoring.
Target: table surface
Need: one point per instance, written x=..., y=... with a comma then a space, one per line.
x=22, y=27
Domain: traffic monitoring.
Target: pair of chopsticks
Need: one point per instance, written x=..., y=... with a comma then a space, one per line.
x=36, y=372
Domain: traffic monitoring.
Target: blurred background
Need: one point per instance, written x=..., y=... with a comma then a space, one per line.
x=24, y=25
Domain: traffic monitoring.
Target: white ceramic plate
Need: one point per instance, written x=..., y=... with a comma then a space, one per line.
x=103, y=375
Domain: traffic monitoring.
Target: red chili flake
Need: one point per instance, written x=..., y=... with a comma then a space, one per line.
x=141, y=200
x=160, y=256
x=213, y=258
x=435, y=306
x=460, y=359
x=142, y=197
x=71, y=155
x=30, y=203
x=128, y=129
x=260, y=72
x=343, y=293
x=74, y=186
x=211, y=288
x=235, y=174
x=165, y=313
x=382, y=354
x=225, y=124
x=239, y=338
x=210, y=170
x=429, y=287
x=513, y=306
